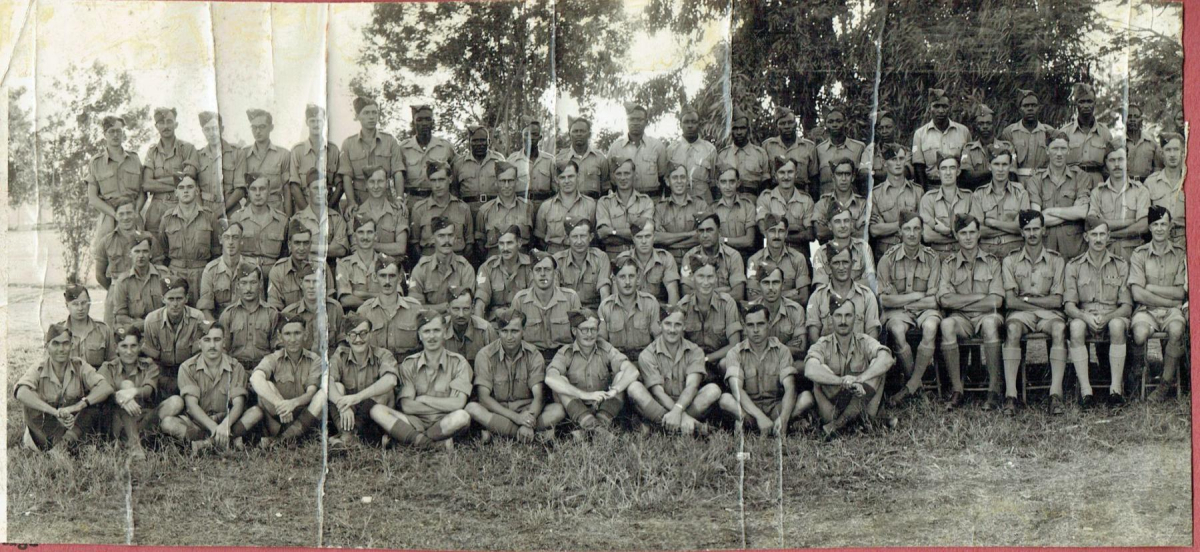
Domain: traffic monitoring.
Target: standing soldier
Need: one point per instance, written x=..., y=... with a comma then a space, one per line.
x=751, y=160
x=762, y=379
x=390, y=218
x=848, y=370
x=842, y=287
x=393, y=316
x=361, y=375
x=171, y=333
x=940, y=205
x=435, y=275
x=593, y=167
x=786, y=200
x=677, y=215
x=441, y=204
x=567, y=204
x=583, y=268
x=1000, y=200
x=307, y=309
x=836, y=146
x=1087, y=137
x=284, y=285
x=322, y=220
x=976, y=156
x=890, y=197
x=971, y=293
x=908, y=284
x=1030, y=138
x=845, y=198
x=545, y=305
x=790, y=145
x=167, y=161
x=251, y=321
x=1166, y=186
x=468, y=333
x=731, y=271
x=658, y=273
x=221, y=188
x=534, y=167
x=140, y=289
x=616, y=211
x=886, y=134
x=630, y=316
x=796, y=277
x=737, y=213
x=1122, y=203
x=589, y=376
x=1096, y=299
x=939, y=138
x=263, y=160
x=1159, y=286
x=648, y=153
x=507, y=209
x=190, y=235
x=475, y=172
x=502, y=275
x=217, y=279
x=112, y=253
x=372, y=147
x=264, y=228
x=672, y=372
x=315, y=153
x=287, y=383
x=1145, y=155
x=509, y=385
x=113, y=175
x=695, y=153
x=1061, y=192
x=420, y=150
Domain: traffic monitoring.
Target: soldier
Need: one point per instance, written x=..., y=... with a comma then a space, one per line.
x=843, y=287
x=112, y=175
x=971, y=293
x=284, y=284
x=393, y=316
x=731, y=271
x=669, y=392
x=836, y=146
x=441, y=204
x=750, y=159
x=507, y=209
x=190, y=235
x=263, y=227
x=251, y=321
x=263, y=160
x=1033, y=297
x=1061, y=192
x=372, y=147
x=940, y=205
x=61, y=396
x=589, y=376
x=468, y=333
x=847, y=370
x=695, y=153
x=677, y=215
x=976, y=156
x=434, y=387
x=354, y=271
x=171, y=333
x=1088, y=138
x=315, y=153
x=167, y=161
x=1122, y=203
x=787, y=201
x=762, y=379
x=1145, y=154
x=139, y=290
x=845, y=198
x=617, y=210
x=475, y=172
x=502, y=275
x=785, y=317
x=436, y=274
x=1159, y=286
x=939, y=138
x=886, y=134
x=420, y=150
x=287, y=383
x=112, y=253
x=217, y=278
x=796, y=278
x=134, y=379
x=658, y=273
x=1096, y=299
x=217, y=172
x=908, y=283
x=583, y=268
x=1000, y=200
x=711, y=319
x=212, y=386
x=361, y=375
x=545, y=305
x=1166, y=186
x=91, y=340
x=323, y=221
x=629, y=316
x=889, y=198
x=862, y=260
x=567, y=204
x=390, y=218
x=509, y=383
x=536, y=177
x=790, y=145
x=648, y=153
x=593, y=167
x=308, y=311
x=1030, y=138
x=736, y=211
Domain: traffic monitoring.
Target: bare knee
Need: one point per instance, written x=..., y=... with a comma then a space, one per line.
x=949, y=333
x=1078, y=331
x=1174, y=332
x=929, y=331
x=990, y=330
x=457, y=420
x=476, y=411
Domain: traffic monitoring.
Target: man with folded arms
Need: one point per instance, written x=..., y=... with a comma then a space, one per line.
x=1158, y=283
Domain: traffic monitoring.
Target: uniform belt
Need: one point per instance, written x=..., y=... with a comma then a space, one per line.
x=1024, y=172
x=539, y=196
x=1089, y=169
x=418, y=192
x=479, y=199
x=188, y=263
x=999, y=240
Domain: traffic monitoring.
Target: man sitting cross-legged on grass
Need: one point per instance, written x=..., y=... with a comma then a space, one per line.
x=589, y=376
x=212, y=385
x=672, y=371
x=434, y=387
x=134, y=379
x=287, y=384
x=847, y=370
x=762, y=378
x=908, y=283
x=1159, y=286
x=60, y=396
x=509, y=377
x=361, y=375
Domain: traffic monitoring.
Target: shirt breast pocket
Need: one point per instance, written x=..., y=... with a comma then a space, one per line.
x=359, y=161
x=616, y=323
x=921, y=278
x=271, y=242
x=641, y=322
x=692, y=325
x=750, y=381
x=94, y=353
x=1112, y=287
x=560, y=329
x=501, y=386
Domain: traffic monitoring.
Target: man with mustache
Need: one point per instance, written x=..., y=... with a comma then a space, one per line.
x=361, y=375
x=843, y=287
x=435, y=275
x=503, y=274
x=510, y=385
x=393, y=316
x=1097, y=302
x=468, y=333
x=669, y=392
x=545, y=305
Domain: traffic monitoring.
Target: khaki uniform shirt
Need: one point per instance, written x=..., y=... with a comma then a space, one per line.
x=797, y=207
x=432, y=278
x=546, y=325
x=629, y=326
x=1145, y=157
x=936, y=206
x=588, y=372
x=790, y=261
x=862, y=263
x=710, y=324
x=495, y=217
x=761, y=375
x=979, y=274
x=217, y=177
x=866, y=309
x=901, y=273
x=738, y=215
x=787, y=323
x=700, y=159
x=477, y=179
x=161, y=163
x=1086, y=145
x=929, y=141
x=114, y=248
x=536, y=179
x=143, y=373
x=78, y=379
x=659, y=367
x=191, y=241
x=391, y=221
x=1040, y=276
x=509, y=379
x=593, y=169
x=333, y=323
x=306, y=157
x=358, y=153
x=1150, y=266
x=611, y=213
x=135, y=296
x=250, y=330
x=355, y=377
x=649, y=159
x=855, y=358
x=459, y=213
x=496, y=285
x=292, y=375
x=284, y=287
x=395, y=328
x=218, y=283
x=1032, y=152
x=171, y=344
x=416, y=158
x=1097, y=289
x=857, y=207
x=804, y=151
x=731, y=271
x=655, y=274
x=274, y=163
x=552, y=215
x=355, y=275
x=827, y=151
x=213, y=387
x=333, y=227
x=751, y=161
x=1004, y=206
x=116, y=178
x=94, y=345
x=263, y=234
x=586, y=277
x=475, y=336
x=419, y=377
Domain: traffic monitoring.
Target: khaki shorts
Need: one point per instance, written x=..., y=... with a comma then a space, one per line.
x=1040, y=320
x=970, y=326
x=905, y=317
x=1160, y=317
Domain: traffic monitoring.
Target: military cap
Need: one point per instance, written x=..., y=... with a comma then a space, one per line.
x=760, y=270
x=724, y=168
x=772, y=220
x=836, y=303
x=539, y=256
x=179, y=282
x=433, y=167
x=780, y=160
x=473, y=129
x=983, y=110
x=572, y=120
x=161, y=112
x=964, y=220
x=254, y=113
x=834, y=251
x=503, y=167
x=891, y=151
x=1026, y=216
x=907, y=215
x=1093, y=222
x=125, y=330
x=361, y=102
x=782, y=113
x=937, y=96
x=296, y=227
x=428, y=316
x=1023, y=93
x=56, y=330
x=354, y=320
x=512, y=229
x=578, y=317
x=999, y=148
x=383, y=261
x=1156, y=213
x=360, y=220
x=245, y=270
x=631, y=108
x=1082, y=90
x=440, y=223
x=286, y=318
x=417, y=109
x=73, y=292
x=703, y=216
x=110, y=121
x=570, y=223
x=140, y=236
x=637, y=226
x=1166, y=137
x=313, y=110
x=206, y=116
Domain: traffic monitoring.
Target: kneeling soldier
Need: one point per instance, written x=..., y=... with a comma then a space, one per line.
x=589, y=376
x=1097, y=300
x=287, y=383
x=848, y=370
x=212, y=385
x=908, y=283
x=361, y=375
x=762, y=379
x=672, y=369
x=509, y=376
x=134, y=379
x=1158, y=283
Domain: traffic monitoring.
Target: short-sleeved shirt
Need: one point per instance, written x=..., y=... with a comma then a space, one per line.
x=333, y=227
x=751, y=161
x=284, y=287
x=827, y=151
x=798, y=207
x=180, y=159
x=474, y=336
x=1046, y=190
x=416, y=158
x=629, y=326
x=889, y=200
x=1168, y=194
x=658, y=366
x=1086, y=145
x=355, y=376
x=192, y=239
x=1150, y=266
x=593, y=169
x=616, y=215
x=433, y=278
x=862, y=263
x=95, y=344
x=173, y=343
x=496, y=284
x=391, y=220
x=588, y=372
x=1004, y=206
x=218, y=282
x=790, y=261
x=439, y=378
x=1095, y=287
x=1031, y=148
x=250, y=330
x=730, y=269
x=700, y=159
x=546, y=325
x=553, y=213
x=262, y=234
x=656, y=273
x=901, y=273
x=291, y=374
x=803, y=150
x=711, y=324
x=786, y=322
x=929, y=141
x=857, y=205
x=114, y=248
x=738, y=215
x=273, y=163
x=333, y=323
x=354, y=274
x=142, y=373
x=674, y=216
x=977, y=157
x=78, y=379
x=135, y=296
x=217, y=176
x=495, y=217
x=359, y=152
x=762, y=374
x=536, y=177
x=306, y=156
x=215, y=386
x=866, y=309
x=1128, y=205
x=980, y=273
x=452, y=208
x=936, y=206
x=852, y=359
x=509, y=378
x=477, y=178
x=393, y=328
x=1145, y=157
x=586, y=277
x=649, y=160
x=116, y=178
x=1041, y=276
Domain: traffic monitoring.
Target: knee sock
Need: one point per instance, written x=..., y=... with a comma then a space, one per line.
x=920, y=365
x=1012, y=366
x=993, y=359
x=1172, y=353
x=1116, y=363
x=238, y=429
x=610, y=409
x=905, y=354
x=195, y=433
x=578, y=412
x=300, y=425
x=652, y=410
x=1058, y=369
x=951, y=353
x=438, y=432
x=404, y=432
x=500, y=425
x=1079, y=357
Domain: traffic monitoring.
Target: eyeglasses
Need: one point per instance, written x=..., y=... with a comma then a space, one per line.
x=358, y=334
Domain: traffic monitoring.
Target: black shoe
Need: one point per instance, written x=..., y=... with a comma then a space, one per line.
x=1056, y=405
x=1088, y=402
x=1162, y=392
x=1117, y=400
x=993, y=401
x=1010, y=406
x=899, y=397
x=956, y=400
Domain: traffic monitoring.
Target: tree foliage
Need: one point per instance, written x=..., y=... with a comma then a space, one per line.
x=22, y=186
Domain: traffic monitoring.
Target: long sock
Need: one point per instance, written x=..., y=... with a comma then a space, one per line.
x=610, y=409
x=1058, y=369
x=951, y=353
x=300, y=425
x=437, y=432
x=577, y=411
x=652, y=410
x=500, y=425
x=1079, y=357
x=993, y=359
x=238, y=429
x=195, y=434
x=905, y=354
x=1135, y=359
x=403, y=432
x=1172, y=353
x=920, y=365
x=1116, y=363
x=1012, y=366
